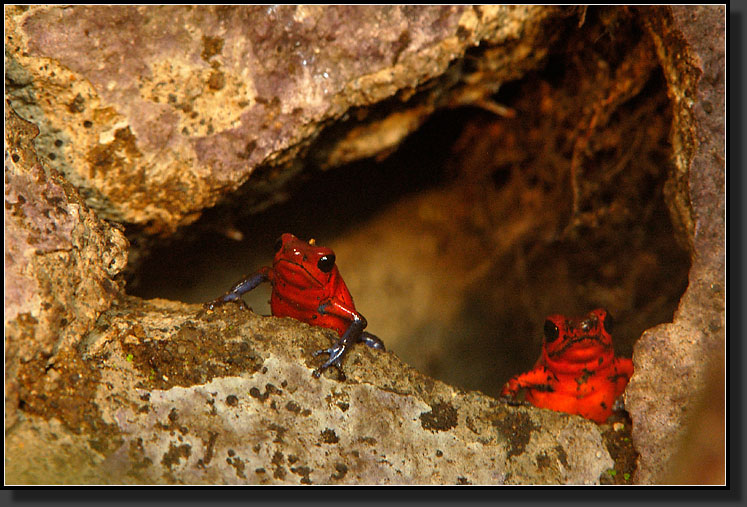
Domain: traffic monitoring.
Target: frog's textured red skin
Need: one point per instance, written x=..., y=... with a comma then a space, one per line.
x=299, y=286
x=306, y=285
x=577, y=372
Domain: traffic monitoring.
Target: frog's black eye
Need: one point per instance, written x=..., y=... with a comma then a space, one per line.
x=278, y=244
x=551, y=331
x=607, y=322
x=326, y=263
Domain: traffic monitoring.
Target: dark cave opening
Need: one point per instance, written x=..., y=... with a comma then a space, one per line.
x=457, y=245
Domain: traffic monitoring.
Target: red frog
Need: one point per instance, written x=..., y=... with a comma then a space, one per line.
x=577, y=371
x=307, y=286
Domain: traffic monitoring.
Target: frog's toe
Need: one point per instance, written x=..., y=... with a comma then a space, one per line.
x=329, y=351
x=210, y=305
x=330, y=362
x=335, y=356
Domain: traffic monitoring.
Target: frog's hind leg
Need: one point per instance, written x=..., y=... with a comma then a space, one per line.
x=352, y=335
x=372, y=341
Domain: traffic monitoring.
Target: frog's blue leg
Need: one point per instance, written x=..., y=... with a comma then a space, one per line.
x=372, y=341
x=242, y=286
x=338, y=350
x=353, y=334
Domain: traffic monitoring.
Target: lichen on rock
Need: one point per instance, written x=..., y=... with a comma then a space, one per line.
x=259, y=417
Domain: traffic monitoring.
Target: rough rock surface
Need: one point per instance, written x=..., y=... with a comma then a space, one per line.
x=155, y=112
x=163, y=392
x=674, y=361
x=155, y=122
x=60, y=260
x=181, y=395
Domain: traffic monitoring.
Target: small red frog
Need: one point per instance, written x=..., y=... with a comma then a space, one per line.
x=577, y=371
x=307, y=286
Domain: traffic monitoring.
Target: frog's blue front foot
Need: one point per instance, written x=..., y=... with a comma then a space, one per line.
x=335, y=356
x=211, y=305
x=242, y=286
x=337, y=352
x=353, y=334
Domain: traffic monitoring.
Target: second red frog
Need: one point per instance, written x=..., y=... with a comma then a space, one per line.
x=577, y=371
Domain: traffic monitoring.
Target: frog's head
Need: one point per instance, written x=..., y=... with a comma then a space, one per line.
x=579, y=339
x=302, y=264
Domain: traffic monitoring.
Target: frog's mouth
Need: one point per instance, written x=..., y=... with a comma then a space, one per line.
x=582, y=348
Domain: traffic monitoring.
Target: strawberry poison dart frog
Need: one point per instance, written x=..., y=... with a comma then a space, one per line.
x=307, y=286
x=577, y=371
